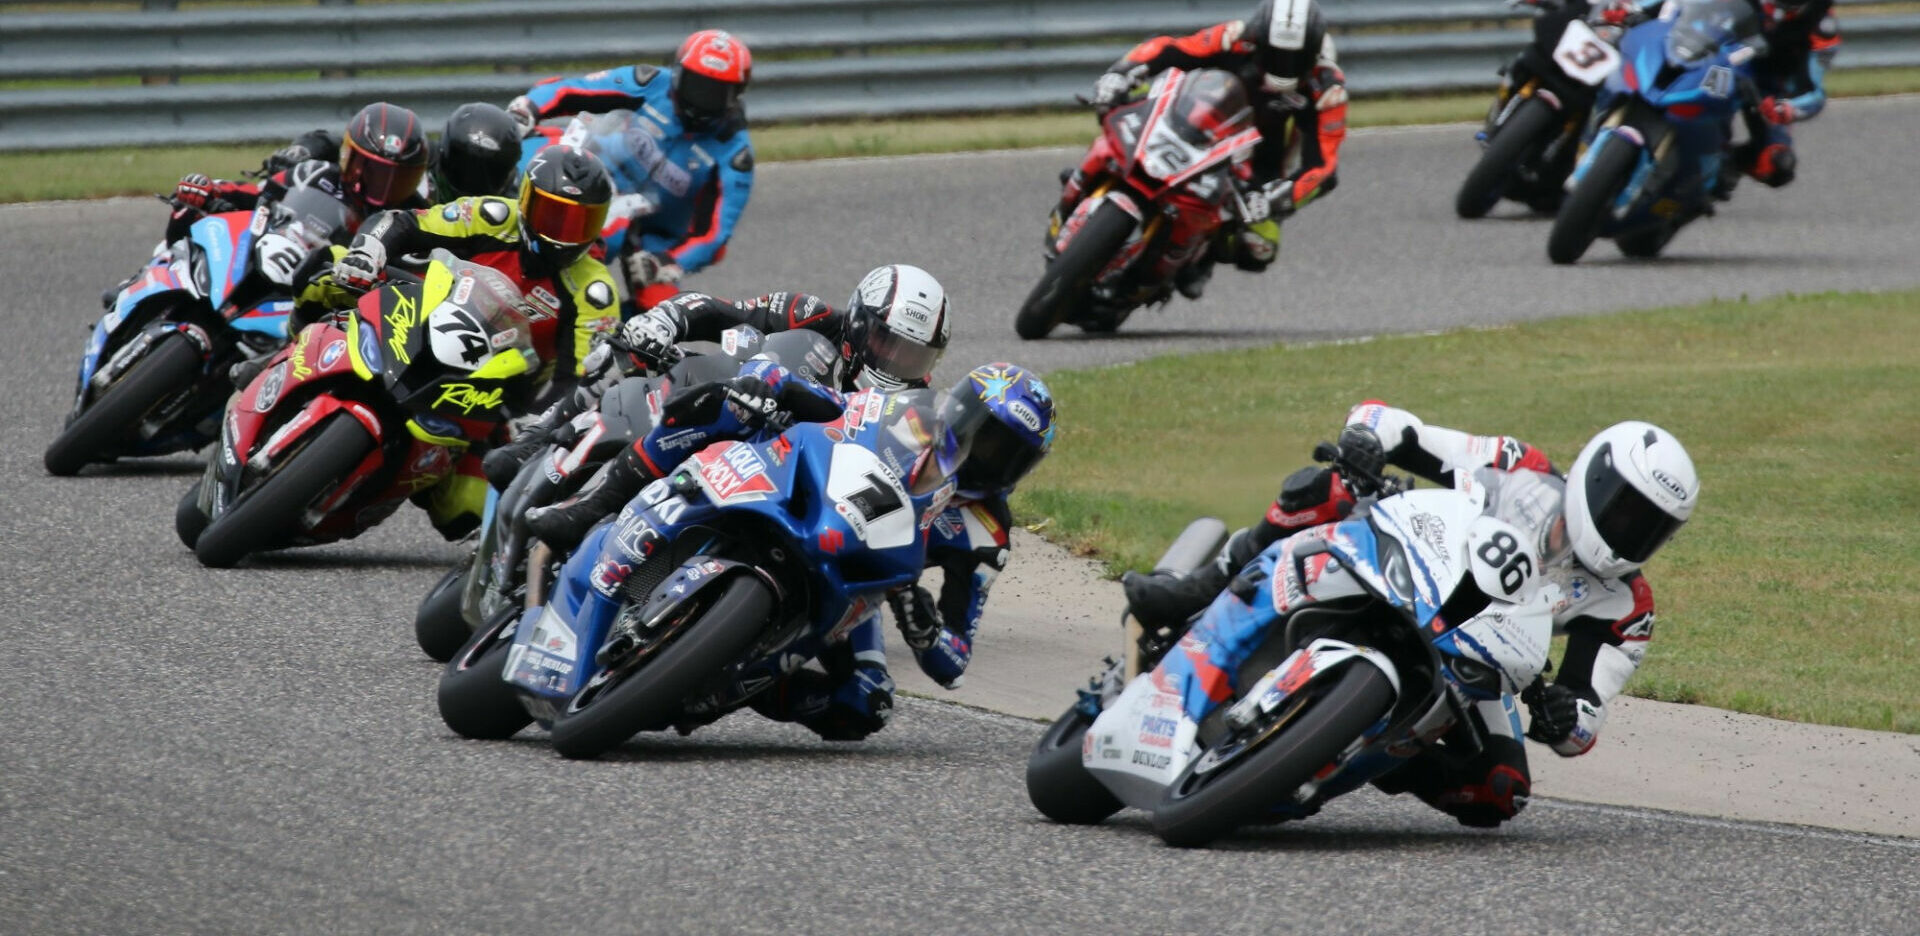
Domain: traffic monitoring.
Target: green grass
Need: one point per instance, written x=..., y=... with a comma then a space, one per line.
x=1794, y=592
x=136, y=171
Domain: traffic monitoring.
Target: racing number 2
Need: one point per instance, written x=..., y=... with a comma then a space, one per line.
x=1502, y=552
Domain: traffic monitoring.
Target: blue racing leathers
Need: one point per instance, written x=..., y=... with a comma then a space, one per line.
x=699, y=182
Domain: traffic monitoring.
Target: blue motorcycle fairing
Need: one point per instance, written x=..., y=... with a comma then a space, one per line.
x=784, y=481
x=227, y=257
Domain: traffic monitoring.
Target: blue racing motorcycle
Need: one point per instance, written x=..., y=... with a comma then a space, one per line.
x=742, y=565
x=154, y=379
x=1662, y=128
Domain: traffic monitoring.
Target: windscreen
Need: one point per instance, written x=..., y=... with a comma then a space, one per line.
x=916, y=442
x=1702, y=27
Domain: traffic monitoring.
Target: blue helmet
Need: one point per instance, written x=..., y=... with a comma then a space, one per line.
x=1003, y=414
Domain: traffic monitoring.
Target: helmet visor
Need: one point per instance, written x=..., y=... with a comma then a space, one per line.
x=378, y=181
x=701, y=99
x=894, y=361
x=1632, y=526
x=559, y=220
x=998, y=458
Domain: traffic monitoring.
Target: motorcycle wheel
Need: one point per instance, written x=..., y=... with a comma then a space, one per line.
x=170, y=366
x=188, y=520
x=1059, y=785
x=438, y=624
x=1646, y=244
x=1063, y=287
x=260, y=519
x=1585, y=210
x=1487, y=182
x=474, y=697
x=653, y=692
x=1198, y=808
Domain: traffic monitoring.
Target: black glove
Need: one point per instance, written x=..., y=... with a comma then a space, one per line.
x=1555, y=710
x=919, y=620
x=753, y=401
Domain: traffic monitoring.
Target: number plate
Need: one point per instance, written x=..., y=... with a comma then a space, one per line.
x=1584, y=56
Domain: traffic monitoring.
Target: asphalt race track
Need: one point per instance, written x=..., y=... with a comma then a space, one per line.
x=256, y=750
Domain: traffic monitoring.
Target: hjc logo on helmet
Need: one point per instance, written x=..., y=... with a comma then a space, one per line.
x=1673, y=486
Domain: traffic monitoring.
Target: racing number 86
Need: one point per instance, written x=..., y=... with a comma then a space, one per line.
x=1502, y=552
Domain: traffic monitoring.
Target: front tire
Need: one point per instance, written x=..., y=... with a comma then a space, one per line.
x=1490, y=178
x=654, y=692
x=439, y=624
x=189, y=521
x=100, y=431
x=1059, y=783
x=263, y=518
x=1646, y=244
x=1585, y=211
x=1062, y=291
x=475, y=699
x=1196, y=809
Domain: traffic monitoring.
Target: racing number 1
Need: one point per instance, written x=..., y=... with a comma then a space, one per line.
x=1502, y=552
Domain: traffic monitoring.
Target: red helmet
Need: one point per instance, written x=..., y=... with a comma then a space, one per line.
x=710, y=72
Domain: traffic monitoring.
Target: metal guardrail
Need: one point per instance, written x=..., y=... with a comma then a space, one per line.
x=820, y=58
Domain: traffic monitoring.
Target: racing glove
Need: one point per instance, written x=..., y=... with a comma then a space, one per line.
x=1115, y=86
x=194, y=191
x=1777, y=111
x=914, y=612
x=651, y=336
x=650, y=269
x=1555, y=710
x=1619, y=13
x=1273, y=200
x=521, y=110
x=753, y=401
x=360, y=267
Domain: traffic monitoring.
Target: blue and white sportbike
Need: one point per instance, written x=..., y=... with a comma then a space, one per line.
x=1661, y=129
x=742, y=565
x=1333, y=658
x=154, y=378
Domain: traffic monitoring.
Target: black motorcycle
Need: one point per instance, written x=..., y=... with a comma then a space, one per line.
x=1533, y=136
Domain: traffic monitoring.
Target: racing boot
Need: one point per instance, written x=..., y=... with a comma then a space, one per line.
x=243, y=372
x=563, y=525
x=1192, y=279
x=503, y=463
x=1163, y=600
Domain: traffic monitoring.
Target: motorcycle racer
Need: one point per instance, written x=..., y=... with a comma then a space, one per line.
x=1283, y=55
x=540, y=242
x=689, y=152
x=476, y=154
x=1631, y=489
x=893, y=331
x=1802, y=38
x=1006, y=416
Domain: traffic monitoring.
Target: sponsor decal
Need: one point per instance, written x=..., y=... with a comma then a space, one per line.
x=1151, y=760
x=450, y=213
x=1023, y=413
x=734, y=471
x=270, y=388
x=503, y=338
x=464, y=290
x=298, y=357
x=1672, y=484
x=948, y=524
x=469, y=397
x=1431, y=528
x=480, y=139
x=1157, y=731
x=400, y=321
x=552, y=635
x=831, y=541
x=545, y=298
x=335, y=349
x=608, y=574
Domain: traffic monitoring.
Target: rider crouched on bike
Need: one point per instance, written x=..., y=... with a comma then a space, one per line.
x=1802, y=38
x=1006, y=416
x=695, y=160
x=541, y=243
x=1631, y=488
x=1286, y=60
x=382, y=159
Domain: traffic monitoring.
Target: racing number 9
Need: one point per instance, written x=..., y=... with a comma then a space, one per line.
x=1502, y=552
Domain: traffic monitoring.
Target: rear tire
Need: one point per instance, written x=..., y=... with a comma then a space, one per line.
x=475, y=699
x=262, y=518
x=1063, y=287
x=439, y=624
x=652, y=694
x=1585, y=211
x=1194, y=811
x=100, y=431
x=1058, y=783
x=1491, y=177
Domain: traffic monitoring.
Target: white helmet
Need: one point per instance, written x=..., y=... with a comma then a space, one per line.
x=897, y=328
x=1631, y=488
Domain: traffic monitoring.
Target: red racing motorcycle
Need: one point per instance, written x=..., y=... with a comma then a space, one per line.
x=1158, y=185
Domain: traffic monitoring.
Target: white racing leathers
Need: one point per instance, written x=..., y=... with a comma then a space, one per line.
x=1607, y=621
